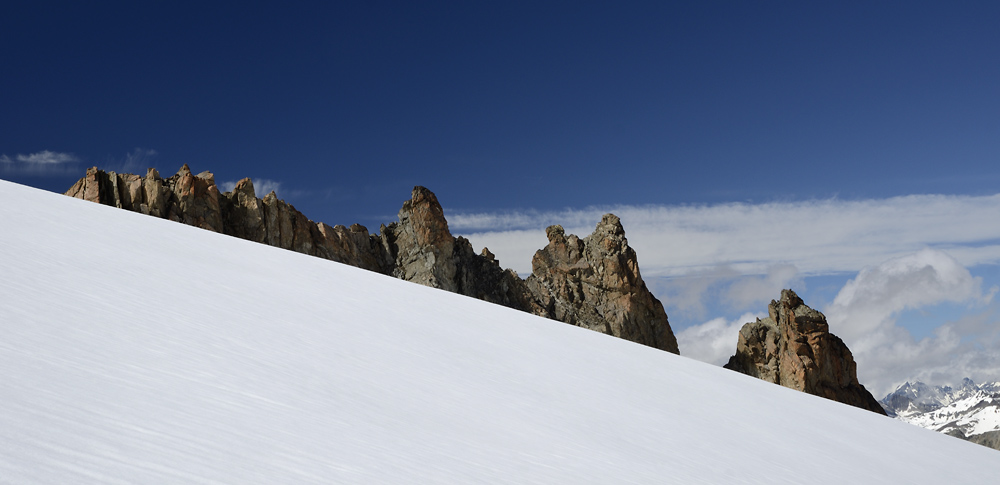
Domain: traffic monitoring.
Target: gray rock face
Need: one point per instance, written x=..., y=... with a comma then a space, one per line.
x=793, y=347
x=989, y=439
x=424, y=247
x=593, y=283
x=480, y=276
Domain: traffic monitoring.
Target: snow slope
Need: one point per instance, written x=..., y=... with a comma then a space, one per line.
x=138, y=350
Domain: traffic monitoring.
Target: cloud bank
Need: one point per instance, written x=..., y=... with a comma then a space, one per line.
x=816, y=237
x=866, y=311
x=715, y=340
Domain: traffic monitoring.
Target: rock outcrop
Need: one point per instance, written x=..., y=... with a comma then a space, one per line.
x=424, y=251
x=196, y=200
x=989, y=439
x=593, y=282
x=793, y=347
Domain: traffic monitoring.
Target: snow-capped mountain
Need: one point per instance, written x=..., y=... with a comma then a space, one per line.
x=964, y=411
x=139, y=350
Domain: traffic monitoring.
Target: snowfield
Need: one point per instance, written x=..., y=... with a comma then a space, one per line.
x=138, y=350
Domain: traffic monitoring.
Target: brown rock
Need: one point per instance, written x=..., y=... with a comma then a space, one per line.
x=196, y=200
x=349, y=245
x=793, y=347
x=277, y=222
x=95, y=186
x=423, y=246
x=130, y=191
x=155, y=195
x=244, y=213
x=595, y=283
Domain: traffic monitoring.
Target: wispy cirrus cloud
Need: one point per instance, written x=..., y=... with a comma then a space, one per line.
x=45, y=162
x=136, y=161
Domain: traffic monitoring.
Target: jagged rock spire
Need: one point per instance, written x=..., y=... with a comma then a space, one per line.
x=595, y=283
x=793, y=347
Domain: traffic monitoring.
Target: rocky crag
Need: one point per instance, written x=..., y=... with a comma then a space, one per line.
x=595, y=283
x=592, y=282
x=793, y=347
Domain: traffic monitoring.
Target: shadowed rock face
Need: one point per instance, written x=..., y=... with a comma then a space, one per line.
x=793, y=347
x=593, y=283
x=989, y=439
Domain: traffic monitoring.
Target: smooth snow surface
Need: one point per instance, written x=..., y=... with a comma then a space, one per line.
x=138, y=350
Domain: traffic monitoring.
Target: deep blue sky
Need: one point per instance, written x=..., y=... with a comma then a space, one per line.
x=506, y=105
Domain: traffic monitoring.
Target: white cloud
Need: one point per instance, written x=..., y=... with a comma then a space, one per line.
x=45, y=162
x=715, y=340
x=751, y=290
x=817, y=237
x=261, y=187
x=687, y=293
x=47, y=157
x=865, y=306
x=865, y=313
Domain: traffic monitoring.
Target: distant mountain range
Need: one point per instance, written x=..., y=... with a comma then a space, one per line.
x=968, y=411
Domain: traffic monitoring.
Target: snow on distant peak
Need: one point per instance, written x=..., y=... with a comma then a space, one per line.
x=966, y=410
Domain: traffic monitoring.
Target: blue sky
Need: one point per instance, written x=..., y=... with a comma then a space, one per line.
x=822, y=126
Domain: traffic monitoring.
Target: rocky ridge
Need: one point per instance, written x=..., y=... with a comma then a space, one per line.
x=793, y=347
x=592, y=282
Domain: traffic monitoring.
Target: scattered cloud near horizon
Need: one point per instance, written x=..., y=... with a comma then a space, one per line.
x=45, y=162
x=261, y=187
